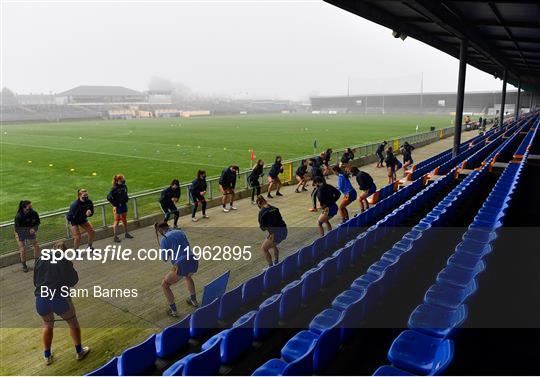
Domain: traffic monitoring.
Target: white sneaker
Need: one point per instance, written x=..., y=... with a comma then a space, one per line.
x=81, y=355
x=205, y=216
x=194, y=219
x=234, y=208
x=225, y=209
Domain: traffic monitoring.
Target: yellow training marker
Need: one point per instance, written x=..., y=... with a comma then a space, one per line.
x=51, y=165
x=71, y=169
x=94, y=173
x=29, y=161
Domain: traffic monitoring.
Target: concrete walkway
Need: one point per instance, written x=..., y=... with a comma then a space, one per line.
x=112, y=324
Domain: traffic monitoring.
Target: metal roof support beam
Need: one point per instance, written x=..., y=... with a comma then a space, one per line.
x=518, y=100
x=460, y=95
x=503, y=97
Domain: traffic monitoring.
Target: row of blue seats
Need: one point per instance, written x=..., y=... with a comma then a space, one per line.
x=445, y=156
x=480, y=153
x=175, y=337
x=426, y=348
x=287, y=303
x=310, y=350
x=524, y=146
x=138, y=359
x=510, y=136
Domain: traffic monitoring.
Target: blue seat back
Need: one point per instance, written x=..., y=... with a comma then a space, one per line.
x=272, y=277
x=173, y=338
x=203, y=319
x=303, y=365
x=230, y=302
x=291, y=300
x=205, y=363
x=253, y=288
x=138, y=360
x=311, y=284
x=329, y=270
x=238, y=339
x=267, y=317
x=305, y=257
x=289, y=267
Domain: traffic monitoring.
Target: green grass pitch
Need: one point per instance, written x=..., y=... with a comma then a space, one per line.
x=47, y=162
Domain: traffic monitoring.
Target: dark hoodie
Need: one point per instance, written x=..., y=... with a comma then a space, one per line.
x=118, y=195
x=77, y=211
x=25, y=221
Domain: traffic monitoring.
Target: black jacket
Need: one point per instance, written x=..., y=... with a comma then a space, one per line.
x=364, y=180
x=301, y=171
x=316, y=171
x=26, y=221
x=390, y=159
x=327, y=195
x=228, y=178
x=270, y=218
x=165, y=199
x=275, y=170
x=255, y=174
x=54, y=275
x=198, y=186
x=380, y=148
x=346, y=157
x=118, y=195
x=77, y=211
x=406, y=150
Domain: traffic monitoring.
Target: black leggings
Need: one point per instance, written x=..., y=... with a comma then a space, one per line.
x=196, y=205
x=314, y=196
x=381, y=157
x=255, y=189
x=169, y=212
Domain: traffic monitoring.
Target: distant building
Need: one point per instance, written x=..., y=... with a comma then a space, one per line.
x=161, y=97
x=36, y=99
x=100, y=95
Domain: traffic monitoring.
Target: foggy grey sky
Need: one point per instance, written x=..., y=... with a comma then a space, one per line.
x=279, y=49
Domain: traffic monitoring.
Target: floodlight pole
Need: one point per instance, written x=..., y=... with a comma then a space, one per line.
x=503, y=99
x=460, y=96
x=518, y=100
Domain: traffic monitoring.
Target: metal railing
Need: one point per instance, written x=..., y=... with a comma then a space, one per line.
x=54, y=225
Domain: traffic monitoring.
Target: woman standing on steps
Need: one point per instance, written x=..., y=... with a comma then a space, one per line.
x=301, y=176
x=197, y=192
x=273, y=177
x=118, y=197
x=253, y=180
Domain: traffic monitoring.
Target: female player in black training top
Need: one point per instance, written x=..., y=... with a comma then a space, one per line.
x=406, y=150
x=301, y=176
x=273, y=177
x=270, y=220
x=253, y=180
x=328, y=195
x=365, y=184
x=197, y=192
x=26, y=226
x=167, y=201
x=77, y=216
x=118, y=197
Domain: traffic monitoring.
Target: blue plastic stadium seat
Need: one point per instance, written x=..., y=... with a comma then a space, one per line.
x=455, y=276
x=272, y=278
x=304, y=257
x=291, y=300
x=331, y=239
x=343, y=258
x=253, y=289
x=289, y=267
x=108, y=369
x=230, y=302
x=203, y=319
x=138, y=360
x=267, y=317
x=234, y=341
x=449, y=296
x=467, y=261
x=326, y=327
x=473, y=247
x=301, y=366
x=319, y=247
x=479, y=234
x=173, y=338
x=352, y=303
x=421, y=354
x=436, y=320
x=311, y=284
x=371, y=281
x=388, y=370
x=204, y=363
x=329, y=270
